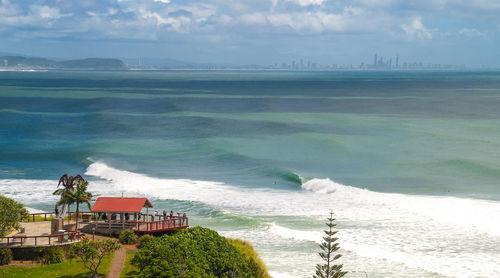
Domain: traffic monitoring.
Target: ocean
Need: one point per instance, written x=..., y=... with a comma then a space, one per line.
x=409, y=162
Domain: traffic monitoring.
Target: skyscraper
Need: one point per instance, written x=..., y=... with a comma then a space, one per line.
x=397, y=61
x=375, y=60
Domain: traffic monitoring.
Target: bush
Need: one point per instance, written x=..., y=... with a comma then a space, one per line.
x=193, y=252
x=52, y=255
x=11, y=212
x=128, y=237
x=144, y=239
x=5, y=256
x=257, y=267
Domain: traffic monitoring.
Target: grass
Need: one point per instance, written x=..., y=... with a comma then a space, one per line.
x=70, y=268
x=39, y=218
x=129, y=270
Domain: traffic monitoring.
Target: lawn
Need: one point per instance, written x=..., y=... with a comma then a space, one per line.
x=70, y=268
x=129, y=270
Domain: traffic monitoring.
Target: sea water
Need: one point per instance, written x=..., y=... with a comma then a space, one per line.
x=409, y=162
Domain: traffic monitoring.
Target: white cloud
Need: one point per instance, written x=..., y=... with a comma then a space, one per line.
x=253, y=18
x=470, y=33
x=45, y=12
x=305, y=3
x=416, y=30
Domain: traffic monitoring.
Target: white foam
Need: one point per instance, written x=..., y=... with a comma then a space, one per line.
x=313, y=236
x=276, y=274
x=452, y=236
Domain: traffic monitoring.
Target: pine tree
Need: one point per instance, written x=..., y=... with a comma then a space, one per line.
x=328, y=249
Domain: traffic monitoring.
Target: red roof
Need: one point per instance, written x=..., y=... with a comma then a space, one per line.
x=117, y=204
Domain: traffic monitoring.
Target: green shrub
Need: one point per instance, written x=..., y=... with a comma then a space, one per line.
x=5, y=256
x=52, y=255
x=257, y=268
x=128, y=237
x=143, y=240
x=194, y=252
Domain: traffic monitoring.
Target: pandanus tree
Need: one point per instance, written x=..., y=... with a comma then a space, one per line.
x=79, y=195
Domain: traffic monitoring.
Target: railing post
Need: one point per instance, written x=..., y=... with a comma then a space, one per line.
x=35, y=240
x=49, y=239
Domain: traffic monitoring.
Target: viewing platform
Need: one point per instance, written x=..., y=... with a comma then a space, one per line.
x=109, y=215
x=112, y=214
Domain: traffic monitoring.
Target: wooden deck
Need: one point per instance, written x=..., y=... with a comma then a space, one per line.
x=145, y=227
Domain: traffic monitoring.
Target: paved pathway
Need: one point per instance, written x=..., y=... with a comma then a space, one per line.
x=117, y=263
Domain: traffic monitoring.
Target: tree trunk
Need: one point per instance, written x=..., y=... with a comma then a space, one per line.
x=77, y=212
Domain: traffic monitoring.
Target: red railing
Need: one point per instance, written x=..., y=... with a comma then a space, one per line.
x=161, y=225
x=32, y=216
x=23, y=239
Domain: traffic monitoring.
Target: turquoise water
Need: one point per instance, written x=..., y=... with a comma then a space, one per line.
x=408, y=161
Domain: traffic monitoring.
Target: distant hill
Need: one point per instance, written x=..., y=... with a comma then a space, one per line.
x=89, y=63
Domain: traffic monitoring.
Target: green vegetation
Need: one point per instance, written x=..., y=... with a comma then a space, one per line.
x=68, y=184
x=129, y=270
x=193, y=252
x=11, y=213
x=93, y=252
x=128, y=237
x=74, y=190
x=50, y=255
x=257, y=267
x=144, y=239
x=328, y=249
x=70, y=268
x=5, y=256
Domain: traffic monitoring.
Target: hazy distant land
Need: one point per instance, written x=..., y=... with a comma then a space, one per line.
x=21, y=63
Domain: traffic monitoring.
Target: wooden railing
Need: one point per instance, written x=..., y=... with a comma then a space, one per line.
x=32, y=216
x=168, y=224
x=146, y=226
x=71, y=214
x=36, y=240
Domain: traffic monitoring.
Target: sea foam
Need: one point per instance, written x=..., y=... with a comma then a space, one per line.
x=452, y=236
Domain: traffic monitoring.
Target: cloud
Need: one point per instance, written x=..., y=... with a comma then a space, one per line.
x=416, y=30
x=309, y=2
x=45, y=12
x=470, y=33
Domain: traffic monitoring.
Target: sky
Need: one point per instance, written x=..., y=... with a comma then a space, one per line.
x=265, y=32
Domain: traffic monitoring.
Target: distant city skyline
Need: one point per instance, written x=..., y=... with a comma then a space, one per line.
x=261, y=32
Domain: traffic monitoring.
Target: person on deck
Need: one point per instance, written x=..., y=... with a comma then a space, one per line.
x=171, y=214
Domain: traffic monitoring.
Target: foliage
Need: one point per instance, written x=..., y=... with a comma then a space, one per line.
x=129, y=270
x=68, y=184
x=11, y=213
x=257, y=267
x=193, y=252
x=50, y=255
x=69, y=268
x=328, y=249
x=144, y=239
x=78, y=195
x=128, y=237
x=5, y=256
x=93, y=252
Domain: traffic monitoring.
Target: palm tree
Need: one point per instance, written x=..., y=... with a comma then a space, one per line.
x=78, y=195
x=68, y=183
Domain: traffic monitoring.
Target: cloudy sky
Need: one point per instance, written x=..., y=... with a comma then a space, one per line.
x=256, y=31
